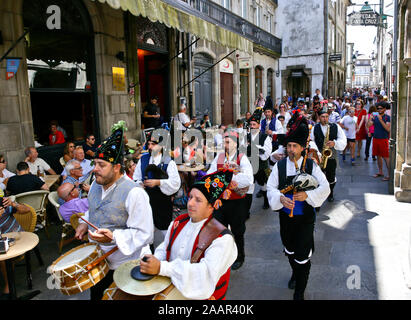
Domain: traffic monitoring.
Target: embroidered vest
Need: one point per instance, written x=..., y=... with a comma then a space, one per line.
x=220, y=163
x=178, y=225
x=111, y=212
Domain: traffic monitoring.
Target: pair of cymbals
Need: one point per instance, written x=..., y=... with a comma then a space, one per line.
x=125, y=282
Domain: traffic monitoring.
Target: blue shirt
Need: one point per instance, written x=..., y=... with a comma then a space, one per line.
x=379, y=131
x=87, y=168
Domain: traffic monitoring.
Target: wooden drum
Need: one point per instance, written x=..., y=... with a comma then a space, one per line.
x=114, y=293
x=70, y=273
x=169, y=293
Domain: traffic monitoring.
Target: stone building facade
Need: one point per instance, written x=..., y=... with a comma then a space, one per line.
x=402, y=173
x=311, y=31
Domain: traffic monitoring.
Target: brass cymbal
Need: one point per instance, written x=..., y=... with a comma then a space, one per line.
x=124, y=281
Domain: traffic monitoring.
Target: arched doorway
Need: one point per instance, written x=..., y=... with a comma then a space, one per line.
x=203, y=86
x=258, y=81
x=61, y=70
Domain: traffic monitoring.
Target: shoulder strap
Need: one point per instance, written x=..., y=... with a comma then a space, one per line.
x=211, y=230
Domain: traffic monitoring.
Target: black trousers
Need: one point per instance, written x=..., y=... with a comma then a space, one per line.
x=368, y=145
x=330, y=170
x=97, y=291
x=233, y=213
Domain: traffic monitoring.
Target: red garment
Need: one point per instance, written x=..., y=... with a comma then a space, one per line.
x=58, y=138
x=362, y=133
x=220, y=164
x=380, y=147
x=178, y=225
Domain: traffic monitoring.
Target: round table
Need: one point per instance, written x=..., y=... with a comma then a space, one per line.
x=22, y=245
x=185, y=168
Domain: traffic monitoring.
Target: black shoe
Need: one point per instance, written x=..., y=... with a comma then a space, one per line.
x=260, y=194
x=237, y=264
x=330, y=198
x=266, y=206
x=374, y=158
x=366, y=159
x=298, y=296
x=291, y=283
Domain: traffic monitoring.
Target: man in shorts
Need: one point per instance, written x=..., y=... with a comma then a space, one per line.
x=380, y=145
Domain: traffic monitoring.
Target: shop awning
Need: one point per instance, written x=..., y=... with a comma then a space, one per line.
x=172, y=17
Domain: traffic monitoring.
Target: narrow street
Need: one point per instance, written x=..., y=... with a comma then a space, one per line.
x=364, y=227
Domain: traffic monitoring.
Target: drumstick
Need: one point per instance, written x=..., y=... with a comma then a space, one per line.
x=97, y=261
x=89, y=223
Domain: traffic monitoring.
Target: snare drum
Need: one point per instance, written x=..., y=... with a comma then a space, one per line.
x=114, y=293
x=69, y=271
x=169, y=293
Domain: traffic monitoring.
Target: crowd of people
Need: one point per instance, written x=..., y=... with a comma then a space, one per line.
x=141, y=202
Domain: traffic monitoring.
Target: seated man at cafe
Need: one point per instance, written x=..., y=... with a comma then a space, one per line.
x=24, y=181
x=85, y=164
x=75, y=172
x=9, y=224
x=73, y=203
x=90, y=147
x=35, y=163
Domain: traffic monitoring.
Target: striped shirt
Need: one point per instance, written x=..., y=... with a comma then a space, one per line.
x=7, y=221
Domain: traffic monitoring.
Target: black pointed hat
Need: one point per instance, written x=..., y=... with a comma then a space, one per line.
x=256, y=116
x=111, y=149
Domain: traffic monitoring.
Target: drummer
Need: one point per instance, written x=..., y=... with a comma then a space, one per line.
x=119, y=208
x=210, y=276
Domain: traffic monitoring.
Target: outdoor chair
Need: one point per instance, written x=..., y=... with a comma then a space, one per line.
x=36, y=199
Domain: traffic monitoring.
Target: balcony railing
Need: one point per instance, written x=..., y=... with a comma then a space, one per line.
x=224, y=18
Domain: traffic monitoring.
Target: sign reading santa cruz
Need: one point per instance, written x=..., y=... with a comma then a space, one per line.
x=369, y=18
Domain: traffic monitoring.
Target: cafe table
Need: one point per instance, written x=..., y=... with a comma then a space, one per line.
x=24, y=242
x=51, y=179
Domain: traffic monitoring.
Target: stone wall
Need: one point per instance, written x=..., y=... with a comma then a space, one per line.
x=16, y=127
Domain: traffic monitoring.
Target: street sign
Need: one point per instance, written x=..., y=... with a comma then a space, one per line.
x=335, y=57
x=369, y=18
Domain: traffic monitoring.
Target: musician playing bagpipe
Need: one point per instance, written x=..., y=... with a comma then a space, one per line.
x=258, y=143
x=329, y=138
x=305, y=187
x=118, y=208
x=198, y=251
x=158, y=174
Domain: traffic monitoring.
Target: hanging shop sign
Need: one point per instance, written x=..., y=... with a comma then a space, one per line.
x=244, y=63
x=12, y=65
x=119, y=79
x=226, y=66
x=335, y=57
x=369, y=18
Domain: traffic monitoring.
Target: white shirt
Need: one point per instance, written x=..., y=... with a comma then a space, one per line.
x=315, y=198
x=244, y=178
x=180, y=119
x=167, y=186
x=140, y=232
x=340, y=142
x=6, y=174
x=350, y=124
x=195, y=280
x=287, y=117
x=38, y=164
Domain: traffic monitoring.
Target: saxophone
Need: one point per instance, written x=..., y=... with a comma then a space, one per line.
x=327, y=152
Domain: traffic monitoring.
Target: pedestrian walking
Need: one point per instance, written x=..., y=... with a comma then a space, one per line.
x=370, y=132
x=361, y=134
x=349, y=124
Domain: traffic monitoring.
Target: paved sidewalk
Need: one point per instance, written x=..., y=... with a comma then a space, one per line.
x=363, y=230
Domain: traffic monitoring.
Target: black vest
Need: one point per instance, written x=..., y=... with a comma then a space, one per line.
x=319, y=136
x=284, y=181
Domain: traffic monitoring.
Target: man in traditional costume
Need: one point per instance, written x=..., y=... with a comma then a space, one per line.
x=158, y=174
x=233, y=212
x=297, y=209
x=337, y=141
x=118, y=207
x=198, y=251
